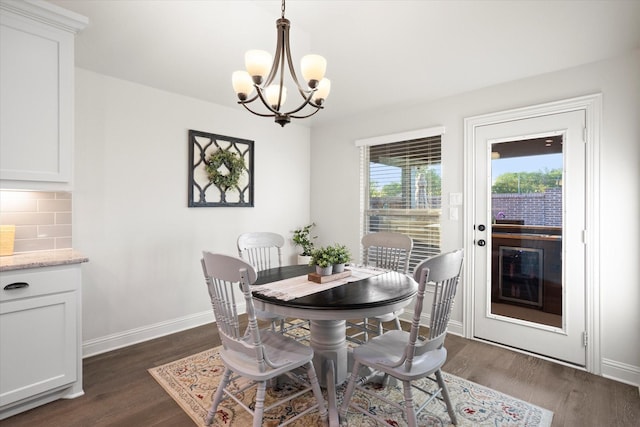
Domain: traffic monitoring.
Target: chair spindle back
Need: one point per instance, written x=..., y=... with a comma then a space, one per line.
x=262, y=249
x=387, y=250
x=442, y=272
x=222, y=274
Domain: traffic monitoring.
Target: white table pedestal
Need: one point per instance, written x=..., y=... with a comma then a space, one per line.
x=328, y=340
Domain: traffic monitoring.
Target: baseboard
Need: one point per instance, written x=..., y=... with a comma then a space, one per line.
x=455, y=328
x=621, y=372
x=612, y=369
x=145, y=333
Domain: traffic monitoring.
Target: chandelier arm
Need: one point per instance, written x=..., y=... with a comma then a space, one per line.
x=250, y=100
x=276, y=57
x=281, y=67
x=292, y=71
x=308, y=115
x=307, y=101
x=256, y=113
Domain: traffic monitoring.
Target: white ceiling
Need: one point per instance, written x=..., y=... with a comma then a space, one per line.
x=380, y=54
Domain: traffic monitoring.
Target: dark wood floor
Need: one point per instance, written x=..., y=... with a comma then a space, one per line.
x=120, y=392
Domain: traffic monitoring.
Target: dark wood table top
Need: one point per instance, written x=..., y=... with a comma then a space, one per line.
x=375, y=291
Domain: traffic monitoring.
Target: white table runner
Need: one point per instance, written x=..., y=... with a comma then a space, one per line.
x=301, y=286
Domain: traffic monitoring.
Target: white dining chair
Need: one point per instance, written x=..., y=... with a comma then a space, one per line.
x=406, y=356
x=389, y=251
x=258, y=356
x=263, y=249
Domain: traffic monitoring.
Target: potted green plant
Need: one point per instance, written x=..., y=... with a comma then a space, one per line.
x=341, y=256
x=302, y=237
x=323, y=259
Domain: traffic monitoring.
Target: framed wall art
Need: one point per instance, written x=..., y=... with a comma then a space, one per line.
x=220, y=170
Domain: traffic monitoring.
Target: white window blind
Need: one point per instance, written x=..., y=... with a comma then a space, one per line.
x=401, y=190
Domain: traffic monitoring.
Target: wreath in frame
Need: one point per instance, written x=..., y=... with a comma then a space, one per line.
x=232, y=162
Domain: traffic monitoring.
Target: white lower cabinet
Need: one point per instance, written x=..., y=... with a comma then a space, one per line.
x=40, y=337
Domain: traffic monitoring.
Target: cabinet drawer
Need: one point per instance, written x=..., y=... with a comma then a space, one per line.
x=39, y=281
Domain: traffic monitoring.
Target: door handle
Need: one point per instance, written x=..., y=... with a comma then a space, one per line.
x=481, y=242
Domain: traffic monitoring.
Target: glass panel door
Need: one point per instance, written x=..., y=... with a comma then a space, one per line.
x=529, y=251
x=526, y=231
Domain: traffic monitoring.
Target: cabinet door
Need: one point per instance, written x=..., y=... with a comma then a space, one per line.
x=34, y=142
x=39, y=345
x=36, y=82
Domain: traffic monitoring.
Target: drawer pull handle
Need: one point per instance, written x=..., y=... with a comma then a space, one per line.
x=17, y=285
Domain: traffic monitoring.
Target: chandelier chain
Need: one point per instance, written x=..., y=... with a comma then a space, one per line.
x=282, y=8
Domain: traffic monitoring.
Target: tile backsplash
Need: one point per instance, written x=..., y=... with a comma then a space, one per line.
x=42, y=219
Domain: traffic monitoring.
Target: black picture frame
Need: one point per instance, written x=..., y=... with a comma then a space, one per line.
x=201, y=191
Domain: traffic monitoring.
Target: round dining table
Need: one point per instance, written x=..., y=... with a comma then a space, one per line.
x=329, y=309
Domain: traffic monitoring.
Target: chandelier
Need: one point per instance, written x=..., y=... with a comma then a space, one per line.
x=267, y=77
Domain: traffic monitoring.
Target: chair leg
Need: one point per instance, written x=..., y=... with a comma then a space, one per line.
x=346, y=399
x=317, y=392
x=398, y=325
x=259, y=408
x=409, y=410
x=217, y=398
x=445, y=396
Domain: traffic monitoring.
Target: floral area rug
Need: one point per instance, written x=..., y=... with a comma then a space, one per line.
x=192, y=381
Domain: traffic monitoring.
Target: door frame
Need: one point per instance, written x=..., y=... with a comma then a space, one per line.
x=592, y=105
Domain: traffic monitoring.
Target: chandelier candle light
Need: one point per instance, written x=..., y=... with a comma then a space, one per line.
x=267, y=78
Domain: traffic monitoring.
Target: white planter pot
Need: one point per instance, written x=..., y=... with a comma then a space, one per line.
x=338, y=268
x=324, y=271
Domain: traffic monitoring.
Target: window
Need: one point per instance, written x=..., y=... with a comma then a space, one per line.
x=401, y=188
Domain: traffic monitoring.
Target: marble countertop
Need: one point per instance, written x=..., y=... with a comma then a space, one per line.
x=41, y=259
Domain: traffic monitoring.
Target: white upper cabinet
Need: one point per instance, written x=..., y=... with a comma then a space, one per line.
x=36, y=87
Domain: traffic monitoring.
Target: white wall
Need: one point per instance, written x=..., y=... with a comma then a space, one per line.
x=335, y=181
x=130, y=195
x=131, y=217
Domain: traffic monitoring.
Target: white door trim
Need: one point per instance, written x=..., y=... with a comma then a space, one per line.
x=592, y=105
